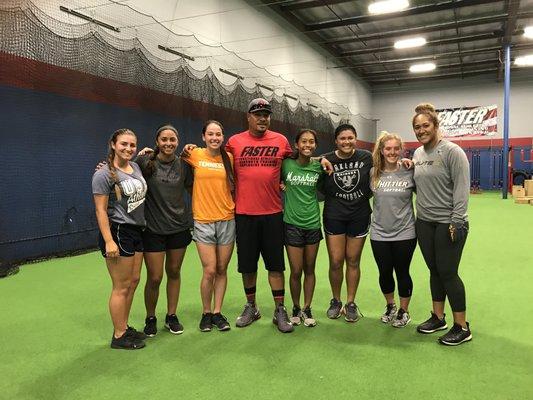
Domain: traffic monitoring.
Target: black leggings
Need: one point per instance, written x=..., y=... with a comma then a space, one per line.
x=394, y=256
x=442, y=258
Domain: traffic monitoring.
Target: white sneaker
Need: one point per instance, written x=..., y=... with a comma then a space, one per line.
x=296, y=318
x=389, y=314
x=402, y=319
x=307, y=317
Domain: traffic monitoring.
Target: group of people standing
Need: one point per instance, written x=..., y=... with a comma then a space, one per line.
x=236, y=197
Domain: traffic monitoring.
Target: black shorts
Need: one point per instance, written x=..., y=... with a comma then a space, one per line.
x=154, y=242
x=356, y=228
x=299, y=237
x=259, y=235
x=127, y=237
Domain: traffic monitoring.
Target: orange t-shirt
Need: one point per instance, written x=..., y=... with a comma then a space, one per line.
x=211, y=196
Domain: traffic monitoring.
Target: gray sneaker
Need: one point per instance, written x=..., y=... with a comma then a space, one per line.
x=389, y=314
x=248, y=315
x=334, y=310
x=402, y=319
x=281, y=319
x=351, y=312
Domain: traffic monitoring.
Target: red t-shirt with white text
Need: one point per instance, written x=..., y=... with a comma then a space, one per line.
x=257, y=164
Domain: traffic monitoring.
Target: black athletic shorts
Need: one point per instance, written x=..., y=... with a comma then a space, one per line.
x=127, y=237
x=299, y=237
x=154, y=242
x=259, y=235
x=356, y=228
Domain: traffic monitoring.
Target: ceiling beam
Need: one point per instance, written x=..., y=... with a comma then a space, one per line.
x=442, y=6
x=484, y=62
x=438, y=42
x=310, y=4
x=297, y=24
x=437, y=56
x=422, y=29
x=433, y=77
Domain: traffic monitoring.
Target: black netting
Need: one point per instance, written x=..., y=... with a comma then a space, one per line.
x=64, y=87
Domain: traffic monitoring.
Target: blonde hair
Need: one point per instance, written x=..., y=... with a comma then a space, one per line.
x=377, y=158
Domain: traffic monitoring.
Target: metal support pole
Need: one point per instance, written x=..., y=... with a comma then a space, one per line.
x=507, y=87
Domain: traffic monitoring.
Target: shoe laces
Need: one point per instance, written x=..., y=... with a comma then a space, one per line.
x=172, y=318
x=296, y=311
x=400, y=313
x=335, y=303
x=249, y=310
x=307, y=313
x=390, y=308
x=218, y=317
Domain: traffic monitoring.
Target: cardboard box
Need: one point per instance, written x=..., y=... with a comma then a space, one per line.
x=519, y=192
x=523, y=200
x=528, y=186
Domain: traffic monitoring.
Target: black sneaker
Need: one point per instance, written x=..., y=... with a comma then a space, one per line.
x=220, y=322
x=433, y=324
x=150, y=326
x=172, y=323
x=126, y=342
x=456, y=335
x=134, y=333
x=206, y=323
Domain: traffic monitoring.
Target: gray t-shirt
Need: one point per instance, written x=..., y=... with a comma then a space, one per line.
x=166, y=211
x=442, y=178
x=130, y=208
x=393, y=217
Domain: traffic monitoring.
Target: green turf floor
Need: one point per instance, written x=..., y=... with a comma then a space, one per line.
x=55, y=332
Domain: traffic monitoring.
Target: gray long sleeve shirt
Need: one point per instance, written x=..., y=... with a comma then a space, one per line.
x=442, y=178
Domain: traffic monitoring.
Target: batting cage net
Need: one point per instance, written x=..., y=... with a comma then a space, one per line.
x=72, y=74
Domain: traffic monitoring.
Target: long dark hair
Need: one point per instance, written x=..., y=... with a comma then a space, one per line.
x=111, y=157
x=149, y=168
x=230, y=178
x=295, y=154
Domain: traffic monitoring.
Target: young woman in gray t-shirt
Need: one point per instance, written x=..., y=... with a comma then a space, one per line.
x=442, y=177
x=392, y=230
x=119, y=191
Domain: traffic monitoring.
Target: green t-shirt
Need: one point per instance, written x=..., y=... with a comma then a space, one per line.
x=301, y=204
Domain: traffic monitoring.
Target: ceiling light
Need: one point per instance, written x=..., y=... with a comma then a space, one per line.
x=524, y=61
x=408, y=43
x=387, y=6
x=424, y=67
x=528, y=32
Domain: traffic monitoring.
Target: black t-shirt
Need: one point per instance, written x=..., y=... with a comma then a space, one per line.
x=347, y=189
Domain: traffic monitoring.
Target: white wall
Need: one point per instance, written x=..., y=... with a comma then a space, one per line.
x=394, y=106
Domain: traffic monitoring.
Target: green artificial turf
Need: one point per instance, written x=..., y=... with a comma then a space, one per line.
x=55, y=333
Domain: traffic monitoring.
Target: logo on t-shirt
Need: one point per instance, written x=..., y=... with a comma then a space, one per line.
x=135, y=191
x=347, y=180
x=259, y=156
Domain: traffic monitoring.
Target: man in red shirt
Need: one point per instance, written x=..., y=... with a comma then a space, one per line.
x=258, y=154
